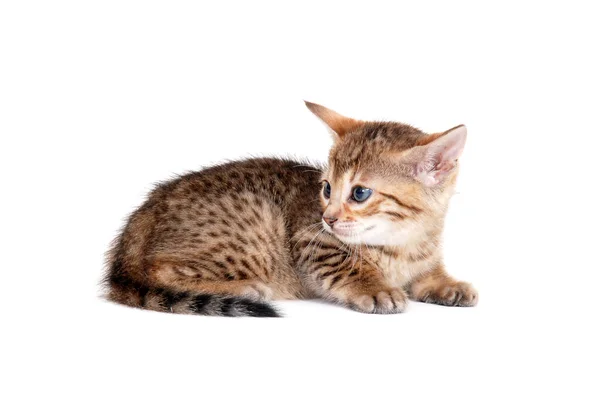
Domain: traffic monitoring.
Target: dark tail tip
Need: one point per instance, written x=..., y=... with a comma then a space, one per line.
x=166, y=300
x=261, y=309
x=218, y=305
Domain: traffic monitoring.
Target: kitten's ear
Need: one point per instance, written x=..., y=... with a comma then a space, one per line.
x=337, y=123
x=436, y=155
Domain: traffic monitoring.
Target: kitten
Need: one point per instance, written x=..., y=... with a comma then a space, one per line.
x=363, y=232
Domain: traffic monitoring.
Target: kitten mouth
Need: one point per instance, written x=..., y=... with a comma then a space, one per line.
x=347, y=233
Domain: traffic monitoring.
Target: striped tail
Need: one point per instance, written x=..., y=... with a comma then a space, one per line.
x=166, y=300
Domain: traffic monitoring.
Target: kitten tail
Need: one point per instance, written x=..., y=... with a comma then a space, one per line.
x=164, y=300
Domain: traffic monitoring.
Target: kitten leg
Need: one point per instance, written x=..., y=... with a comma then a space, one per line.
x=437, y=287
x=187, y=277
x=251, y=289
x=359, y=286
x=345, y=275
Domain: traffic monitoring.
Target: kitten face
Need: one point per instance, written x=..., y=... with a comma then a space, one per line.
x=387, y=183
x=364, y=207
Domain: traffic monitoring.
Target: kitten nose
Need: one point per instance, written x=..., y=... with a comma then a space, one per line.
x=329, y=220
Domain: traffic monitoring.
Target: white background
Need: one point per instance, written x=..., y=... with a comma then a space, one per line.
x=99, y=100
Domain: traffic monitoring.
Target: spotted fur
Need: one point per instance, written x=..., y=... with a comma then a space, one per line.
x=225, y=240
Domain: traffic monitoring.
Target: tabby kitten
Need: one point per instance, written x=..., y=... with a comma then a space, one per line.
x=363, y=232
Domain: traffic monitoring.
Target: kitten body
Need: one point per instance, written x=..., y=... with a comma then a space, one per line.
x=224, y=240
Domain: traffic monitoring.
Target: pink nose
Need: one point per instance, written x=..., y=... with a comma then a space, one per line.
x=329, y=220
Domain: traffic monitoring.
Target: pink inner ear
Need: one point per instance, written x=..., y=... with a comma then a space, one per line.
x=449, y=146
x=439, y=157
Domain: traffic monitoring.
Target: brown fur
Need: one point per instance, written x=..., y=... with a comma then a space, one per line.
x=223, y=240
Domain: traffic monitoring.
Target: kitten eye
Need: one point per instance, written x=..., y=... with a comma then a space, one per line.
x=326, y=190
x=361, y=194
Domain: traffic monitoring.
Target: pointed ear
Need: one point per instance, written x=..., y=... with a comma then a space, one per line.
x=337, y=123
x=436, y=155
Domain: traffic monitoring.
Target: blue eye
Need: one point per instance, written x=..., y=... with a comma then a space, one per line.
x=326, y=190
x=361, y=194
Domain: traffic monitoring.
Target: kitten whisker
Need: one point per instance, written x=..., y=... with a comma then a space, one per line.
x=319, y=244
x=302, y=233
x=308, y=247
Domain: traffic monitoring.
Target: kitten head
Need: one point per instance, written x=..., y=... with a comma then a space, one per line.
x=387, y=183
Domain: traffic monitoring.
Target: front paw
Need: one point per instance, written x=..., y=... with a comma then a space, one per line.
x=381, y=302
x=457, y=293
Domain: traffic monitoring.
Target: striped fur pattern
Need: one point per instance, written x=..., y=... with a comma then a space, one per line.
x=225, y=240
